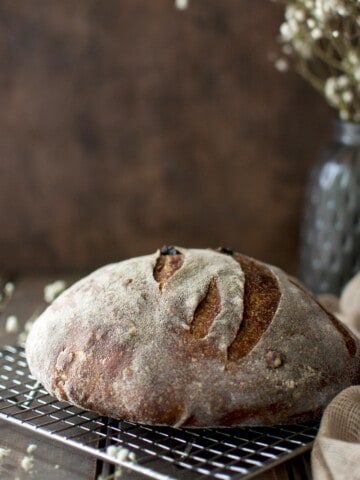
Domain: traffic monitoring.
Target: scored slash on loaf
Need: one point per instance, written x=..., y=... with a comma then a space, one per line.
x=196, y=338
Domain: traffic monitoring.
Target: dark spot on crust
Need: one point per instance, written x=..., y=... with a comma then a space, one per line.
x=169, y=250
x=226, y=250
x=206, y=311
x=261, y=299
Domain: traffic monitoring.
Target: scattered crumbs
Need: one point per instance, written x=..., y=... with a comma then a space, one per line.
x=112, y=476
x=9, y=289
x=27, y=327
x=12, y=324
x=106, y=477
x=4, y=452
x=22, y=337
x=27, y=463
x=53, y=290
x=132, y=457
x=31, y=448
x=118, y=473
x=274, y=359
x=121, y=454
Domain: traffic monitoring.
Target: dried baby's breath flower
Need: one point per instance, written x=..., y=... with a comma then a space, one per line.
x=181, y=4
x=27, y=327
x=31, y=448
x=12, y=324
x=27, y=463
x=347, y=96
x=4, y=452
x=324, y=36
x=9, y=289
x=282, y=65
x=119, y=453
x=53, y=290
x=6, y=291
x=287, y=49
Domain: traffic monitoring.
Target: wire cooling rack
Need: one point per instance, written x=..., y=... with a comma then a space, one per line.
x=157, y=452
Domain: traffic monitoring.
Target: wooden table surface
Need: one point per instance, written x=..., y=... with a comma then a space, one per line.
x=52, y=460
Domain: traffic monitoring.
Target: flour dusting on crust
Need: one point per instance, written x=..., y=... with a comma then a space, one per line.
x=118, y=344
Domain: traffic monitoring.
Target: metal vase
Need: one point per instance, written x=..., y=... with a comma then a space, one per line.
x=330, y=235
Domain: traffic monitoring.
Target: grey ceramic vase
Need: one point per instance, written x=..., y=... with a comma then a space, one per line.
x=330, y=236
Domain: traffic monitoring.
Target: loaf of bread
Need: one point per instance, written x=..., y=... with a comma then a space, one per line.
x=195, y=338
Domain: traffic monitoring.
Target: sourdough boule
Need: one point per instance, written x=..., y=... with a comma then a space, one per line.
x=193, y=337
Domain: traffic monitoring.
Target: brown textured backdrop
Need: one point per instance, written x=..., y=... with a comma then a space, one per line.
x=128, y=124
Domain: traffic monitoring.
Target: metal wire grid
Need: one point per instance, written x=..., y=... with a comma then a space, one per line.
x=160, y=452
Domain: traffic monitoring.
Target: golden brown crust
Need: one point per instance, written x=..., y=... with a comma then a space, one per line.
x=261, y=299
x=166, y=266
x=206, y=311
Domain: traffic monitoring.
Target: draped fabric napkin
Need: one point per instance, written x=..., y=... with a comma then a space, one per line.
x=336, y=452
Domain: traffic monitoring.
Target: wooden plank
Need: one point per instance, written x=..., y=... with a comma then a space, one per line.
x=127, y=125
x=50, y=461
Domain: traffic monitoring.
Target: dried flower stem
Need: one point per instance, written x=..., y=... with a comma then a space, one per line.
x=324, y=36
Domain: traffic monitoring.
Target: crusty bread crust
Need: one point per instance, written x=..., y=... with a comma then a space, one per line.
x=197, y=338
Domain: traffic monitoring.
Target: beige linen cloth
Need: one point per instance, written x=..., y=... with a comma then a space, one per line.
x=336, y=451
